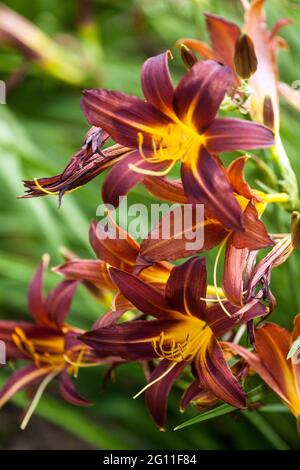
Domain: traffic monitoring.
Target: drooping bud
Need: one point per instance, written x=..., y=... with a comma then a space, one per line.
x=188, y=58
x=245, y=59
x=295, y=229
x=268, y=113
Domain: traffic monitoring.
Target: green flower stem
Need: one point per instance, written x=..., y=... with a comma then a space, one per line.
x=288, y=181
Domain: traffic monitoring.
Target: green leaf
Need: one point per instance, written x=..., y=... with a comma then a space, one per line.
x=274, y=408
x=266, y=429
x=214, y=413
x=253, y=396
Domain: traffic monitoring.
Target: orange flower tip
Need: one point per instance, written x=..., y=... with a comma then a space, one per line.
x=268, y=112
x=181, y=410
x=295, y=229
x=188, y=58
x=245, y=59
x=162, y=429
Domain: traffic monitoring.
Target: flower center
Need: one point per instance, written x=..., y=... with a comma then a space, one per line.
x=177, y=143
x=180, y=348
x=48, y=350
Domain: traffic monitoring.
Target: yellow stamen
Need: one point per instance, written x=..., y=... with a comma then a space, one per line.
x=215, y=275
x=144, y=171
x=155, y=381
x=205, y=299
x=52, y=193
x=140, y=138
x=79, y=361
x=177, y=352
x=37, y=398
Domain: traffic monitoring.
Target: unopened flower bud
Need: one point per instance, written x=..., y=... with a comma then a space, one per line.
x=268, y=113
x=245, y=60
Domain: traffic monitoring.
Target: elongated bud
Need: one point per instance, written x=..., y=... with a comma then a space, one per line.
x=188, y=58
x=295, y=229
x=245, y=60
x=268, y=113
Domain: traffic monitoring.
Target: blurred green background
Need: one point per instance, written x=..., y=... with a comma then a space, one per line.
x=41, y=126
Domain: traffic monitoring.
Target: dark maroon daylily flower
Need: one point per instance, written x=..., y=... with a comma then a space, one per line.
x=49, y=345
x=184, y=331
x=85, y=165
x=243, y=276
x=253, y=237
x=176, y=125
x=120, y=251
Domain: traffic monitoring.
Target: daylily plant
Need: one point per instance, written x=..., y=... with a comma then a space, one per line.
x=264, y=83
x=184, y=331
x=176, y=125
x=48, y=346
x=274, y=363
x=161, y=315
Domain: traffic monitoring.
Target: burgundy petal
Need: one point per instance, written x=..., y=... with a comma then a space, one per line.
x=190, y=394
x=90, y=270
x=235, y=173
x=230, y=134
x=234, y=266
x=165, y=189
x=145, y=297
x=255, y=235
x=156, y=82
x=200, y=92
x=121, y=178
x=157, y=395
x=59, y=302
x=69, y=393
x=22, y=379
x=108, y=319
x=130, y=341
x=118, y=250
x=123, y=116
x=182, y=240
x=220, y=323
x=186, y=285
x=205, y=183
x=217, y=376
